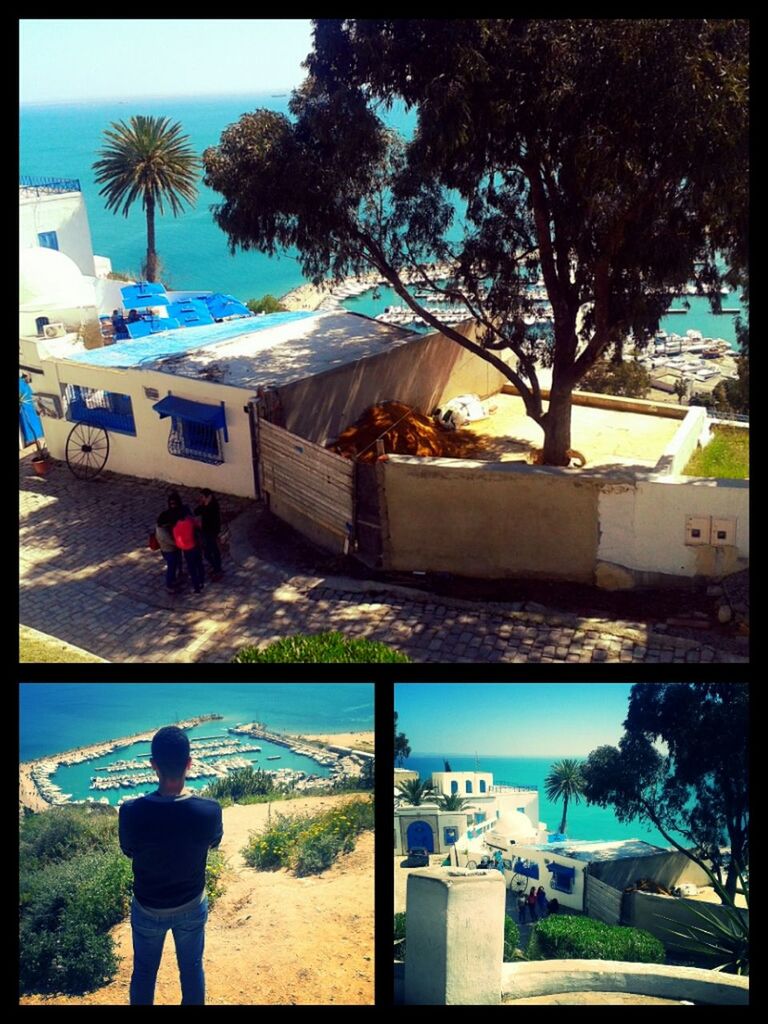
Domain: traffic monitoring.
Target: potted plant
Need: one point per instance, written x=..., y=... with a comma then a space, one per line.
x=41, y=460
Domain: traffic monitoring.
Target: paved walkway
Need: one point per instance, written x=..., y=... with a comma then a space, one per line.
x=88, y=578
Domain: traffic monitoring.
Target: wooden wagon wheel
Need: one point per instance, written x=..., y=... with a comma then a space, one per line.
x=87, y=450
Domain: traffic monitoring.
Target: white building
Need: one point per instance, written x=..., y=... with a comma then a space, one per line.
x=61, y=279
x=485, y=805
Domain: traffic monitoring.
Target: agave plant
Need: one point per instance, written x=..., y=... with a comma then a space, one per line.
x=723, y=934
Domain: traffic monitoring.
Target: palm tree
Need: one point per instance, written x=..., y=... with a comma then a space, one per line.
x=453, y=802
x=563, y=782
x=151, y=159
x=414, y=791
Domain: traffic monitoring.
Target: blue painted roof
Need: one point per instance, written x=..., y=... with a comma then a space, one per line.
x=177, y=342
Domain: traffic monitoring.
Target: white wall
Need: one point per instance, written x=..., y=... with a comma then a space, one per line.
x=693, y=431
x=642, y=526
x=574, y=900
x=146, y=454
x=442, y=782
x=64, y=213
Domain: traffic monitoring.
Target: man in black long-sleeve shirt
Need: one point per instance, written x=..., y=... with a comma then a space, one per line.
x=168, y=834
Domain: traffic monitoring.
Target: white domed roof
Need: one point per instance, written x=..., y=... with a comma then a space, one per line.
x=515, y=825
x=48, y=277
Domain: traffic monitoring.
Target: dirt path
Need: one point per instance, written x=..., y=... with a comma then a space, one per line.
x=272, y=938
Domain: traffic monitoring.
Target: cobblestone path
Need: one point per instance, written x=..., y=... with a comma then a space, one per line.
x=88, y=577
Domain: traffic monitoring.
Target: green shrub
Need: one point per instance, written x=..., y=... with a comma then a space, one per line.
x=214, y=869
x=400, y=936
x=511, y=938
x=322, y=648
x=309, y=843
x=240, y=783
x=266, y=304
x=61, y=832
x=72, y=960
x=583, y=938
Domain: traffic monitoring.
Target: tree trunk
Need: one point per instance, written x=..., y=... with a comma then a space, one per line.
x=557, y=426
x=151, y=264
x=565, y=814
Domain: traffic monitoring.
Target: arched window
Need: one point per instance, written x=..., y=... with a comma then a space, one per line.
x=482, y=785
x=468, y=786
x=454, y=787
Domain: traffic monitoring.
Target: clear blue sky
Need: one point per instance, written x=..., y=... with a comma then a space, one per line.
x=511, y=719
x=91, y=59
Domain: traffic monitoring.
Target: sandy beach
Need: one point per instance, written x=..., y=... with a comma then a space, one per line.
x=306, y=296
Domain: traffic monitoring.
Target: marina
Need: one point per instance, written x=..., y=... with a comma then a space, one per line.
x=51, y=781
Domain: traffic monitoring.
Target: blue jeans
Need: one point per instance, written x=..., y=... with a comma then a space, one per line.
x=194, y=560
x=149, y=928
x=172, y=566
x=211, y=551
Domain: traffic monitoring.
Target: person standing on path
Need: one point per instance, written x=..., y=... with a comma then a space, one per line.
x=532, y=903
x=186, y=538
x=168, y=549
x=167, y=835
x=541, y=902
x=521, y=905
x=210, y=527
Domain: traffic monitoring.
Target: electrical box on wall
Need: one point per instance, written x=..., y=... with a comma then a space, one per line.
x=697, y=529
x=723, y=532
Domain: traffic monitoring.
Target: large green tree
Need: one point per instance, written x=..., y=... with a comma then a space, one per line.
x=603, y=157
x=148, y=159
x=564, y=782
x=682, y=766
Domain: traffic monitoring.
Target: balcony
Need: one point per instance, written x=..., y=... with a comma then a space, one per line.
x=48, y=186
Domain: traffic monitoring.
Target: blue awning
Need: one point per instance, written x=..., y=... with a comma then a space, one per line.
x=195, y=412
x=562, y=870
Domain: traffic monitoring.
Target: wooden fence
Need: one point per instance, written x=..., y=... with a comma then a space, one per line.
x=602, y=901
x=317, y=483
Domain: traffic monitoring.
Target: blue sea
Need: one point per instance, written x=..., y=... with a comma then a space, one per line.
x=62, y=140
x=60, y=716
x=583, y=821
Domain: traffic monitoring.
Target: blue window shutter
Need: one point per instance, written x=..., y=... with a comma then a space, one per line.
x=48, y=240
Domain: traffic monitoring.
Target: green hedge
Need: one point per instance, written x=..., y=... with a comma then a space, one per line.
x=322, y=648
x=566, y=937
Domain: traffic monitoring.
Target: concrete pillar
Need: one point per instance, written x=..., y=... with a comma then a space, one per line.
x=455, y=937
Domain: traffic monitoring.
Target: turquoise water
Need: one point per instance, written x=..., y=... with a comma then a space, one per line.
x=583, y=822
x=59, y=716
x=58, y=140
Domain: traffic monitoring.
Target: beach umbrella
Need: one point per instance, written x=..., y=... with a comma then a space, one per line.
x=223, y=306
x=143, y=294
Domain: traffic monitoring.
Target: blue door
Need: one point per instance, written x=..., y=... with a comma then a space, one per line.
x=420, y=834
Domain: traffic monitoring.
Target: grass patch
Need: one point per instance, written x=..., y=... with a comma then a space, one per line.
x=726, y=455
x=321, y=648
x=309, y=843
x=33, y=648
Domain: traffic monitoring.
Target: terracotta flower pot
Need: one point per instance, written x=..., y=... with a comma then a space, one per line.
x=42, y=464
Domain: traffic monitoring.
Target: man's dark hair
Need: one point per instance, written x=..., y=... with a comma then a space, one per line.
x=174, y=499
x=170, y=751
x=206, y=492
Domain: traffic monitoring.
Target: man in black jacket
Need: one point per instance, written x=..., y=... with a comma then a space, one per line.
x=168, y=834
x=210, y=527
